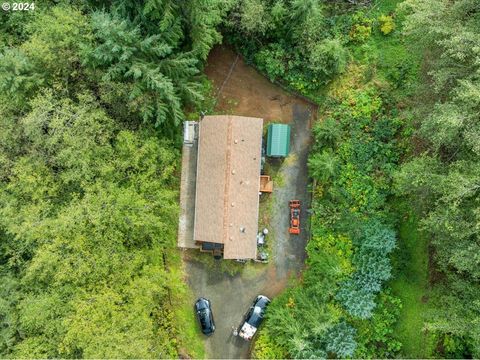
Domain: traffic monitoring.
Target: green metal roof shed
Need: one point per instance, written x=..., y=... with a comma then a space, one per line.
x=278, y=140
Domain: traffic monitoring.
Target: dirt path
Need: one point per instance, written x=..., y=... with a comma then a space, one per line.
x=289, y=251
x=232, y=295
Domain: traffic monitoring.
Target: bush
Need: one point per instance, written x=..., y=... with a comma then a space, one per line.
x=253, y=17
x=373, y=265
x=271, y=61
x=358, y=301
x=375, y=336
x=455, y=347
x=361, y=29
x=387, y=25
x=323, y=166
x=341, y=340
x=376, y=236
x=266, y=348
x=360, y=33
x=326, y=248
x=328, y=58
x=362, y=105
x=326, y=133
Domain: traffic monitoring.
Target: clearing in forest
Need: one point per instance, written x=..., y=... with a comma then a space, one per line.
x=248, y=93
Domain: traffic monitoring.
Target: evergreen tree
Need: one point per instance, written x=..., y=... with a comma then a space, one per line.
x=445, y=179
x=341, y=340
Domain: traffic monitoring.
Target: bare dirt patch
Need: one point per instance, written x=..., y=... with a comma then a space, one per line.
x=246, y=92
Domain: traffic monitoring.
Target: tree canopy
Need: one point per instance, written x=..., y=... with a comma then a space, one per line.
x=92, y=97
x=445, y=178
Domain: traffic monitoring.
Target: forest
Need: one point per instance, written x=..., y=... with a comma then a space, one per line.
x=93, y=95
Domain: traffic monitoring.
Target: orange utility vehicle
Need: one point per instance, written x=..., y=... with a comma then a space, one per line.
x=294, y=217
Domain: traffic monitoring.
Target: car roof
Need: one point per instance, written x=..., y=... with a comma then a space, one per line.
x=256, y=315
x=206, y=318
x=255, y=319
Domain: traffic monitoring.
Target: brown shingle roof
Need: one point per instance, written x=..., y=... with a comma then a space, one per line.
x=228, y=179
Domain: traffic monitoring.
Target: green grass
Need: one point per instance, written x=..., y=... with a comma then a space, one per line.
x=387, y=58
x=190, y=344
x=410, y=284
x=230, y=267
x=273, y=168
x=190, y=331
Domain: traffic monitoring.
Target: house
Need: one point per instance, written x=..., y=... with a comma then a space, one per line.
x=227, y=183
x=278, y=140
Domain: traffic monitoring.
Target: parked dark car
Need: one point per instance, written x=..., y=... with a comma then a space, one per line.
x=205, y=316
x=254, y=317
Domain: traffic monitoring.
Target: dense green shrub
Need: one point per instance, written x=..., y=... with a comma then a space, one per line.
x=328, y=58
x=341, y=340
x=361, y=28
x=254, y=16
x=266, y=348
x=357, y=300
x=327, y=133
x=272, y=61
x=376, y=336
x=323, y=166
x=289, y=41
x=387, y=25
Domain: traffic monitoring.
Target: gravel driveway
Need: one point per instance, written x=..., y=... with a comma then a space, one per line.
x=232, y=295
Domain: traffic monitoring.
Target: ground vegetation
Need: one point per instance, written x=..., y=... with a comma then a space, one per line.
x=92, y=98
x=91, y=105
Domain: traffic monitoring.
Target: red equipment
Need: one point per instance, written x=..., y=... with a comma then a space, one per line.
x=294, y=217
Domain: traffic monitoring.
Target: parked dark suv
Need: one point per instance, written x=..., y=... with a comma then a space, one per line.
x=205, y=316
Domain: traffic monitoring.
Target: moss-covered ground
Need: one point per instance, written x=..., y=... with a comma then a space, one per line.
x=410, y=284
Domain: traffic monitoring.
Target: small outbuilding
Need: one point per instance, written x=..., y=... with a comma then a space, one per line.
x=278, y=140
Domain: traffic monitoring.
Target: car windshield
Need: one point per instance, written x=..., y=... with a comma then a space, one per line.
x=201, y=304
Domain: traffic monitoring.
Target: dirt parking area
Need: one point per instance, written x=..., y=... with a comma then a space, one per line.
x=245, y=92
